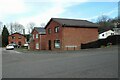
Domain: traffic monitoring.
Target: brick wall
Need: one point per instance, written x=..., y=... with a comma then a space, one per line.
x=53, y=36
x=17, y=39
x=43, y=41
x=70, y=36
x=75, y=36
x=40, y=40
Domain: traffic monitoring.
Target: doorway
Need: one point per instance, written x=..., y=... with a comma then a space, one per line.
x=49, y=44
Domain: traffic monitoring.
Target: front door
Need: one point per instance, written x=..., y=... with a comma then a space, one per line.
x=49, y=44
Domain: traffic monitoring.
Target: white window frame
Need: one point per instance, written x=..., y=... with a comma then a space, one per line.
x=56, y=29
x=20, y=37
x=36, y=35
x=33, y=36
x=37, y=45
x=56, y=45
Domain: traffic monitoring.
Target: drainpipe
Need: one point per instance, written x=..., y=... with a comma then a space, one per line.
x=40, y=41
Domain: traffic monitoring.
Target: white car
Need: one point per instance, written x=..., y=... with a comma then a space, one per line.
x=9, y=47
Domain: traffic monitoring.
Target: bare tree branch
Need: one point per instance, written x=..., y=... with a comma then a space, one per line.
x=30, y=27
x=16, y=27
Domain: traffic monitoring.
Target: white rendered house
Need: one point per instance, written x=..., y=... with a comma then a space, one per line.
x=106, y=34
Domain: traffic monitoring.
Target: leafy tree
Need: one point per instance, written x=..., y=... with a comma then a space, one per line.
x=5, y=35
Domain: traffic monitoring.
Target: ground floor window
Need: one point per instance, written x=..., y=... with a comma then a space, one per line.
x=37, y=45
x=57, y=43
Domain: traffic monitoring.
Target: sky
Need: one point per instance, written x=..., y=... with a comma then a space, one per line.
x=41, y=11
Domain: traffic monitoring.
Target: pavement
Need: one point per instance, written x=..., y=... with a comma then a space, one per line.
x=88, y=63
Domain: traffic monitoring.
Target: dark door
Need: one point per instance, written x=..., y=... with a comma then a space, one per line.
x=49, y=44
x=19, y=43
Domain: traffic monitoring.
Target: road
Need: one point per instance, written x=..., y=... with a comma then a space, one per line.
x=91, y=63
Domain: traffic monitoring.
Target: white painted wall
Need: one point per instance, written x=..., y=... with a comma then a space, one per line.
x=106, y=34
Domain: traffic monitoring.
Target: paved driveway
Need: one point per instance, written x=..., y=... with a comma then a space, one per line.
x=92, y=63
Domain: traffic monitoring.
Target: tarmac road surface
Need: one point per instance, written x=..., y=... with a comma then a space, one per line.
x=89, y=63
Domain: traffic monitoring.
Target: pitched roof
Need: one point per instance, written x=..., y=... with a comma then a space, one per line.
x=105, y=28
x=16, y=33
x=74, y=22
x=40, y=30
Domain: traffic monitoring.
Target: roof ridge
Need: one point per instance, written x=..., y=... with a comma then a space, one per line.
x=70, y=19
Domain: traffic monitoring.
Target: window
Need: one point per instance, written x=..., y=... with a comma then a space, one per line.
x=36, y=35
x=57, y=43
x=19, y=37
x=56, y=29
x=13, y=37
x=102, y=34
x=33, y=36
x=49, y=31
x=112, y=33
x=37, y=46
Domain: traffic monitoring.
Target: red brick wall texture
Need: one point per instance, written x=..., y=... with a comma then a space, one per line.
x=40, y=40
x=70, y=37
x=17, y=39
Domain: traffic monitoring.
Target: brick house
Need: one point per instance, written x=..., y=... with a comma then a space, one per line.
x=69, y=34
x=37, y=41
x=17, y=38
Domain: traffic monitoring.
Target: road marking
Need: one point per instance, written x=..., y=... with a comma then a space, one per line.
x=10, y=51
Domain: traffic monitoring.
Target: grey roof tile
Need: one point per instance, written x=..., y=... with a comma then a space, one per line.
x=75, y=22
x=40, y=30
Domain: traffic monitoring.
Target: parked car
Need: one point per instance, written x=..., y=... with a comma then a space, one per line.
x=9, y=47
x=26, y=45
x=15, y=45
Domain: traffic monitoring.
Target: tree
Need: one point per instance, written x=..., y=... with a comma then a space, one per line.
x=107, y=23
x=30, y=26
x=42, y=25
x=5, y=35
x=104, y=21
x=16, y=27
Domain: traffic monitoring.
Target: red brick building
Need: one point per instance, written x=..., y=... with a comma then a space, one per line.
x=69, y=34
x=38, y=38
x=17, y=38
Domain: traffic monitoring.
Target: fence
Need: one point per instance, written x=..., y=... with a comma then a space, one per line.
x=111, y=40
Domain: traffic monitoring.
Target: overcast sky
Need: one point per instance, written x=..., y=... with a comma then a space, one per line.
x=40, y=11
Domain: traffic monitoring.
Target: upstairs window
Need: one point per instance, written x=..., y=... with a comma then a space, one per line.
x=56, y=29
x=33, y=36
x=57, y=43
x=19, y=37
x=36, y=35
x=49, y=31
x=13, y=37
